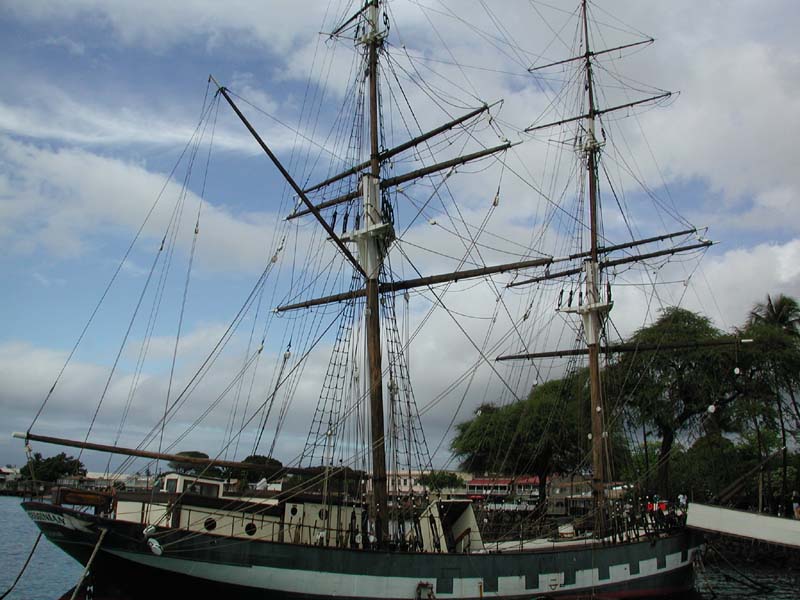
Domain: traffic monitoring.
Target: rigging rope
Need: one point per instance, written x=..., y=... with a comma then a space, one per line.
x=113, y=278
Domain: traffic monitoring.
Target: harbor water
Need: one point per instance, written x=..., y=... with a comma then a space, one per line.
x=51, y=572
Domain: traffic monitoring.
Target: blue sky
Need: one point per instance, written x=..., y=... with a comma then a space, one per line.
x=100, y=99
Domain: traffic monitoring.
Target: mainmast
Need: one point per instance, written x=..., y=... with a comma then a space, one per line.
x=370, y=255
x=592, y=309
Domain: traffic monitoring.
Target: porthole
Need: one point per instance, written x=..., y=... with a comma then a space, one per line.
x=293, y=512
x=250, y=529
x=323, y=514
x=210, y=524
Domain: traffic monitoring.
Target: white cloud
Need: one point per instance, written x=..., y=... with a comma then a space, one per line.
x=724, y=287
x=59, y=200
x=70, y=45
x=724, y=131
x=728, y=133
x=49, y=113
x=743, y=276
x=160, y=25
x=28, y=372
x=737, y=280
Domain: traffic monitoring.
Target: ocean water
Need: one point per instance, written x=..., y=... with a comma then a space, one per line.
x=51, y=572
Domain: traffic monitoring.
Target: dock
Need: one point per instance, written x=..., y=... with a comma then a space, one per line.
x=744, y=524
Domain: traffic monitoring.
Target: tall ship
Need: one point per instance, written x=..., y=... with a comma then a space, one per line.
x=343, y=270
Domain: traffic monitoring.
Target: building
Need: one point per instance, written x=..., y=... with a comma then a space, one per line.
x=569, y=496
x=499, y=489
x=489, y=488
x=526, y=487
x=102, y=481
x=405, y=483
x=8, y=478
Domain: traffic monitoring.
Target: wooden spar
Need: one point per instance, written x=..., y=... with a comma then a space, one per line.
x=591, y=318
x=399, y=286
x=627, y=347
x=292, y=182
x=342, y=297
x=387, y=154
x=613, y=263
x=344, y=25
x=631, y=244
x=408, y=284
x=583, y=56
x=657, y=253
x=200, y=462
x=399, y=179
x=599, y=112
x=380, y=492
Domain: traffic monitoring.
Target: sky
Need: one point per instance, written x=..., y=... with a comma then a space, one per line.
x=101, y=100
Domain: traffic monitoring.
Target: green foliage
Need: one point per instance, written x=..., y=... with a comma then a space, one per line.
x=439, y=480
x=782, y=313
x=539, y=435
x=271, y=466
x=752, y=387
x=666, y=395
x=342, y=481
x=193, y=469
x=706, y=469
x=53, y=468
x=669, y=391
x=771, y=377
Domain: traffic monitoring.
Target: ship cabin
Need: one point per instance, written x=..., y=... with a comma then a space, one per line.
x=175, y=483
x=205, y=505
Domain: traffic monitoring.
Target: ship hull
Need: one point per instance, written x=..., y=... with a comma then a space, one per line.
x=204, y=565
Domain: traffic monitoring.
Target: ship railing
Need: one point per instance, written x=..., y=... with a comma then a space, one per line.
x=625, y=522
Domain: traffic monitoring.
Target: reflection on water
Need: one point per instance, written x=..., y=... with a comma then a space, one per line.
x=52, y=572
x=732, y=582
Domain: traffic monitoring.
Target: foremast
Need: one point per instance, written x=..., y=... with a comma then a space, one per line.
x=594, y=307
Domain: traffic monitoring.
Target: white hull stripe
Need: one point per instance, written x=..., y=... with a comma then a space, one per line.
x=372, y=586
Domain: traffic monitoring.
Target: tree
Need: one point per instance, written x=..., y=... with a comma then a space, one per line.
x=670, y=391
x=342, y=482
x=782, y=313
x=53, y=468
x=539, y=435
x=439, y=480
x=707, y=468
x=271, y=466
x=193, y=469
x=776, y=325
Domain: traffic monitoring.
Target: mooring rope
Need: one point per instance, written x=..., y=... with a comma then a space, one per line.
x=746, y=581
x=85, y=572
x=25, y=566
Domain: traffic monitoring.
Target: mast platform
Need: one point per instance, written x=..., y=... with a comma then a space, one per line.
x=744, y=524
